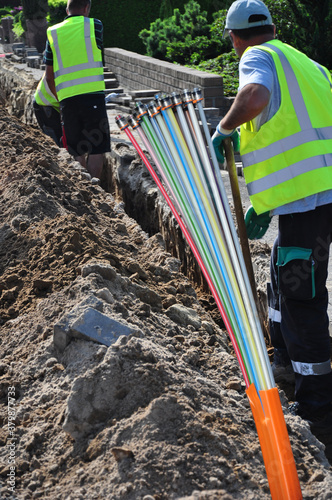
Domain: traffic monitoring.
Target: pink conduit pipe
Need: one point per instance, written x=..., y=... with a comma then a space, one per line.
x=124, y=127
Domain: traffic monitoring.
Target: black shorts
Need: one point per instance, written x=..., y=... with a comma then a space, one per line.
x=49, y=121
x=86, y=124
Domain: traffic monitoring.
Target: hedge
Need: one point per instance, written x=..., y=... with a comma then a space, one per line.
x=124, y=19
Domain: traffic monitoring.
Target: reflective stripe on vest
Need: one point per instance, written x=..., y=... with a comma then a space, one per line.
x=44, y=97
x=323, y=70
x=274, y=158
x=77, y=78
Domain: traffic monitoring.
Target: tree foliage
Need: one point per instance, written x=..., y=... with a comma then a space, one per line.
x=5, y=12
x=315, y=19
x=35, y=9
x=123, y=20
x=19, y=25
x=165, y=9
x=57, y=11
x=183, y=37
x=189, y=39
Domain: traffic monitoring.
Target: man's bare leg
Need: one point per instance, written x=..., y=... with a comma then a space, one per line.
x=95, y=165
x=81, y=159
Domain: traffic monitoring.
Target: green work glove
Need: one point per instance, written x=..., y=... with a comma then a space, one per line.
x=219, y=136
x=256, y=225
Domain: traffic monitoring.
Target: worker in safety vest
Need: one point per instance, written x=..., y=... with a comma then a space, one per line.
x=47, y=111
x=284, y=108
x=75, y=74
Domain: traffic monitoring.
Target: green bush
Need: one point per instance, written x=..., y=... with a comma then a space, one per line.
x=124, y=19
x=190, y=51
x=226, y=65
x=182, y=38
x=19, y=25
x=315, y=36
x=57, y=11
x=189, y=39
x=5, y=12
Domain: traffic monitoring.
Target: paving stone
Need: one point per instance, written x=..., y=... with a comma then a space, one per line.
x=95, y=326
x=61, y=329
x=18, y=45
x=91, y=325
x=143, y=93
x=111, y=83
x=16, y=58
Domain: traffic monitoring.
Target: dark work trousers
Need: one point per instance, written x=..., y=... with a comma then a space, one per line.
x=49, y=121
x=298, y=301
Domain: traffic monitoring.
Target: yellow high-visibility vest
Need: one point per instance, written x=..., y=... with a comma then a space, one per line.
x=290, y=157
x=44, y=97
x=77, y=60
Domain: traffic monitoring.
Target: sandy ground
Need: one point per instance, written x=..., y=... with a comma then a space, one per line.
x=163, y=413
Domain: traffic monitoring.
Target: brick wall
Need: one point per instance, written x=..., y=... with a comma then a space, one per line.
x=138, y=72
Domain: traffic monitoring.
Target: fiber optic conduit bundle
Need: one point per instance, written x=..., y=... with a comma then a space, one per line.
x=174, y=131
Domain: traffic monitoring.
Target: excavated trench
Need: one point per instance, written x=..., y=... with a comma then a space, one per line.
x=124, y=175
x=129, y=181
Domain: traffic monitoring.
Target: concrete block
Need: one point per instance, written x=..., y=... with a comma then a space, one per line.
x=111, y=83
x=16, y=58
x=97, y=327
x=90, y=325
x=209, y=112
x=19, y=52
x=144, y=100
x=118, y=90
x=125, y=101
x=32, y=61
x=109, y=74
x=61, y=330
x=213, y=91
x=137, y=94
x=32, y=51
x=18, y=45
x=214, y=121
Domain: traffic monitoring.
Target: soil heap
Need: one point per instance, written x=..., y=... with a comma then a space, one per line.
x=160, y=414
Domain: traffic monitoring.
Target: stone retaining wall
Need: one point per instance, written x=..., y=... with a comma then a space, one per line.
x=137, y=72
x=17, y=88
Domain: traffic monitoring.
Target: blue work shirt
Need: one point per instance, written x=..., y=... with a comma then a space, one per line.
x=257, y=66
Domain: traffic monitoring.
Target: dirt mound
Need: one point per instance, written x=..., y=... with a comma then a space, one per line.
x=162, y=413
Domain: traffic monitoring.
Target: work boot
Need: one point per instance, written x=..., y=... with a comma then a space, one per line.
x=282, y=368
x=294, y=409
x=320, y=422
x=321, y=427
